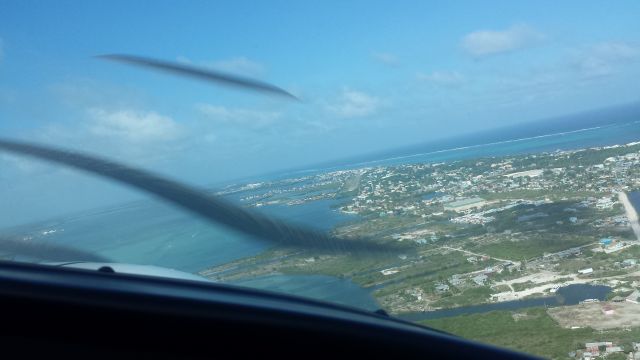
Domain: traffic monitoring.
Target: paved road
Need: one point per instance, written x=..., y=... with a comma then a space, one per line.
x=631, y=213
x=476, y=254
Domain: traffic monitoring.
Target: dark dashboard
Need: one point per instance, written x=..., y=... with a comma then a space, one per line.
x=63, y=312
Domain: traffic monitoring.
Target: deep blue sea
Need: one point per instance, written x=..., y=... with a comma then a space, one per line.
x=619, y=125
x=153, y=233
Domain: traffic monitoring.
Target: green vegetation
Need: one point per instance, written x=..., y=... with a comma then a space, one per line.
x=470, y=296
x=531, y=331
x=437, y=267
x=501, y=288
x=603, y=264
x=536, y=246
x=523, y=285
x=617, y=356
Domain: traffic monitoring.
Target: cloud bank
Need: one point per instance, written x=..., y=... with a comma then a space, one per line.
x=353, y=104
x=483, y=43
x=134, y=126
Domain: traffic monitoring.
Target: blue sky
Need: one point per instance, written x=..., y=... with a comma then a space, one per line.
x=373, y=75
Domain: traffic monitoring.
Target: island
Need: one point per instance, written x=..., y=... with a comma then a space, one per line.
x=476, y=231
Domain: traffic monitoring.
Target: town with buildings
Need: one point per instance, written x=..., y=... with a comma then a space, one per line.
x=477, y=231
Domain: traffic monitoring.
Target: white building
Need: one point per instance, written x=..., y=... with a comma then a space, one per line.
x=480, y=279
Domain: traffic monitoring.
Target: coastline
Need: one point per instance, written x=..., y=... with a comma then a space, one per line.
x=386, y=158
x=632, y=214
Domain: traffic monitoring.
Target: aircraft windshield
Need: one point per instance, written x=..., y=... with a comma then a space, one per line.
x=473, y=167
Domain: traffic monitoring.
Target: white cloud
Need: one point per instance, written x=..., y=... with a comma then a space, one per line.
x=354, y=103
x=386, y=58
x=443, y=78
x=134, y=126
x=603, y=58
x=617, y=50
x=595, y=67
x=489, y=42
x=238, y=116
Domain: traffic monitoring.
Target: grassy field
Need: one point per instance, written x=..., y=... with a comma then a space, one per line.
x=470, y=296
x=531, y=331
x=598, y=261
x=536, y=245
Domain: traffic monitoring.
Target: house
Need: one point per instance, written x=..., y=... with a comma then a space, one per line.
x=606, y=241
x=480, y=279
x=628, y=262
x=592, y=350
x=442, y=287
x=596, y=345
x=585, y=271
x=613, y=349
x=390, y=271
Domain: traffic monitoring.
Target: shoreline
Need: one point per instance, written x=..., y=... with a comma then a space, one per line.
x=551, y=300
x=388, y=157
x=632, y=214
